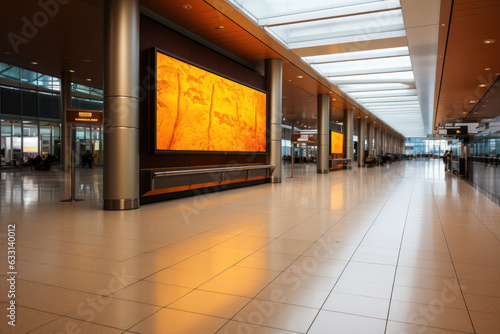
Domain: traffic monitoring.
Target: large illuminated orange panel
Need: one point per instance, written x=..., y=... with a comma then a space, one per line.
x=199, y=111
x=337, y=142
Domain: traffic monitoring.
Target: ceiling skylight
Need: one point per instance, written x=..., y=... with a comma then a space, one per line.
x=336, y=38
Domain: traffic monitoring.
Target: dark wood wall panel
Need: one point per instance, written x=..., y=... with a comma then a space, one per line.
x=156, y=35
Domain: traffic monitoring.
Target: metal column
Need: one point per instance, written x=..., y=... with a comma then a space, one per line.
x=274, y=93
x=348, y=134
x=65, y=127
x=377, y=141
x=121, y=104
x=370, y=135
x=361, y=142
x=323, y=133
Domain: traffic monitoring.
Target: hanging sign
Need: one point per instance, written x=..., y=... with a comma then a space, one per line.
x=84, y=116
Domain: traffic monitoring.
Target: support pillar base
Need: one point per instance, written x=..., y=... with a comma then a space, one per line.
x=323, y=171
x=121, y=204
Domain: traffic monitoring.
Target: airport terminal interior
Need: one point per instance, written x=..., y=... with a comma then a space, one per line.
x=250, y=166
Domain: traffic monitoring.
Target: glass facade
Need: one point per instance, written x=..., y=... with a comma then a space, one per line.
x=422, y=146
x=30, y=116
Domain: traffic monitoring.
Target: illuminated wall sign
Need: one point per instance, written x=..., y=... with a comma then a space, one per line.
x=336, y=142
x=83, y=116
x=199, y=111
x=304, y=138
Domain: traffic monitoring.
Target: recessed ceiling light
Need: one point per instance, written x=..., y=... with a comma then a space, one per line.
x=442, y=24
x=34, y=63
x=87, y=60
x=219, y=27
x=465, y=112
x=334, y=99
x=187, y=6
x=487, y=69
x=300, y=76
x=289, y=80
x=366, y=116
x=359, y=117
x=7, y=53
x=483, y=85
x=489, y=41
x=71, y=71
x=88, y=79
x=472, y=101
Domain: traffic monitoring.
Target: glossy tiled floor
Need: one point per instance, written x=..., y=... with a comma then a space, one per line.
x=398, y=249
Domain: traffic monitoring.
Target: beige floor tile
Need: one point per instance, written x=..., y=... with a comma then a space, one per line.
x=104, y=266
x=202, y=241
x=289, y=294
x=485, y=323
x=25, y=320
x=174, y=321
x=62, y=301
x=424, y=281
x=369, y=272
x=255, y=274
x=268, y=262
x=483, y=288
x=182, y=278
x=450, y=296
x=360, y=288
x=277, y=315
x=287, y=246
x=208, y=262
x=234, y=286
x=375, y=258
x=112, y=312
x=478, y=303
x=317, y=266
x=233, y=327
x=211, y=303
x=298, y=280
x=152, y=293
x=357, y=305
x=332, y=322
x=394, y=327
x=434, y=314
x=70, y=325
x=79, y=280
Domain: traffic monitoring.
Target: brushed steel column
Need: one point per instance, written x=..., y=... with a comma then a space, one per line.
x=348, y=133
x=370, y=138
x=121, y=104
x=361, y=141
x=65, y=127
x=274, y=96
x=323, y=133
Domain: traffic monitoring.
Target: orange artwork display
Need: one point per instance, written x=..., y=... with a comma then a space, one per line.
x=200, y=111
x=337, y=142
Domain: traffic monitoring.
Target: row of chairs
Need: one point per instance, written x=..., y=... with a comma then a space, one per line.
x=385, y=159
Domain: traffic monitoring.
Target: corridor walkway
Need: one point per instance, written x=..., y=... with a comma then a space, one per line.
x=405, y=248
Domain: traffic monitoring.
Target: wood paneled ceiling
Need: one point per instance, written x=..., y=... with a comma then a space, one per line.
x=471, y=66
x=72, y=39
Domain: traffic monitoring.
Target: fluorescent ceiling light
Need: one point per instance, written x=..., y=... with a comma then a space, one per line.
x=380, y=93
x=366, y=66
x=334, y=10
x=373, y=87
x=262, y=9
x=368, y=54
x=347, y=29
x=401, y=77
